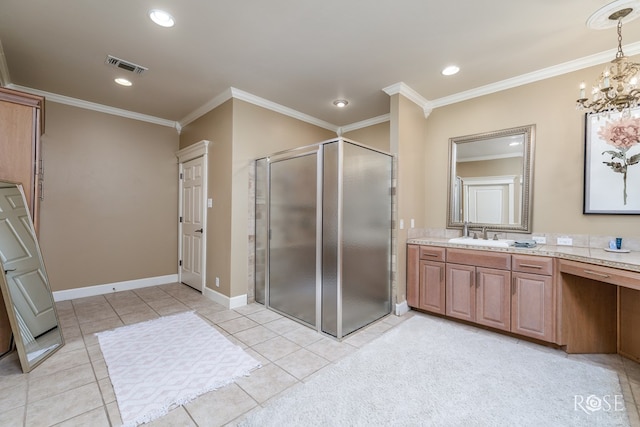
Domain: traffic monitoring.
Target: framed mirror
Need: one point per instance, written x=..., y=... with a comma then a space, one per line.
x=490, y=180
x=23, y=281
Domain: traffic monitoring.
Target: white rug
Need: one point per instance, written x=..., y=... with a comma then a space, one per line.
x=166, y=362
x=433, y=372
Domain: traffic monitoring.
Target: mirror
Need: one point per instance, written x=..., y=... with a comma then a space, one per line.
x=24, y=283
x=490, y=180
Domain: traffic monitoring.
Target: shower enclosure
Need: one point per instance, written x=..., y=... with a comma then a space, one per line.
x=323, y=235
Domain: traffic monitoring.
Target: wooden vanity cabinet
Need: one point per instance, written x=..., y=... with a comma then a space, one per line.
x=426, y=278
x=478, y=285
x=532, y=297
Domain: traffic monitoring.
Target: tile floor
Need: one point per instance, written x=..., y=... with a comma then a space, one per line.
x=72, y=388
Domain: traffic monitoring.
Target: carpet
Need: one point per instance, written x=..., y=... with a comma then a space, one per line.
x=166, y=362
x=431, y=371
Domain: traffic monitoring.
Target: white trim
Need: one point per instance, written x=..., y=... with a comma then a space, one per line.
x=364, y=124
x=270, y=105
x=199, y=149
x=204, y=109
x=74, y=102
x=404, y=90
x=89, y=291
x=230, y=303
x=402, y=308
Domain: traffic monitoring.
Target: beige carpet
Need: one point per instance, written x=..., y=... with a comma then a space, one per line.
x=160, y=364
x=433, y=372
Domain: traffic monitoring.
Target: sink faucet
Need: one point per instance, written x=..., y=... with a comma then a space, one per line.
x=484, y=233
x=465, y=229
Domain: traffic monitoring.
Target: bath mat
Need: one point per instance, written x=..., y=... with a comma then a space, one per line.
x=157, y=365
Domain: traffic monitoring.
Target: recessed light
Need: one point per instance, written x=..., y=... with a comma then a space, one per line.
x=123, y=82
x=161, y=18
x=450, y=70
x=340, y=103
x=513, y=144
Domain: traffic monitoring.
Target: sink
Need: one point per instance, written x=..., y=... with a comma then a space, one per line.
x=500, y=243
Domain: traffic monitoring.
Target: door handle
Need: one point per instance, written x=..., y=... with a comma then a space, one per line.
x=200, y=231
x=11, y=269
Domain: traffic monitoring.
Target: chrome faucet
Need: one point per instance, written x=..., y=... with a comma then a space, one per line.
x=484, y=233
x=465, y=229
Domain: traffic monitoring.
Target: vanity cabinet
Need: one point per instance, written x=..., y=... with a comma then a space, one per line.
x=532, y=297
x=509, y=292
x=478, y=290
x=427, y=272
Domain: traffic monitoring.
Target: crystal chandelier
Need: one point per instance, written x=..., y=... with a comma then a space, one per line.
x=616, y=88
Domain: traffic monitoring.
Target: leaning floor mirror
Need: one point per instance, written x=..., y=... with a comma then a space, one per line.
x=24, y=283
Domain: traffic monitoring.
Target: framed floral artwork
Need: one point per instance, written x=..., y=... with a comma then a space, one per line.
x=612, y=163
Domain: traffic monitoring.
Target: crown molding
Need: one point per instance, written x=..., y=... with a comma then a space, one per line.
x=204, y=109
x=269, y=105
x=534, y=76
x=74, y=102
x=404, y=90
x=364, y=123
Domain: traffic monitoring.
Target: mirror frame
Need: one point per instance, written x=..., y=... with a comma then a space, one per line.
x=527, y=178
x=6, y=294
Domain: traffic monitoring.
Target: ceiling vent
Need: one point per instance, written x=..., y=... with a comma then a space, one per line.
x=125, y=65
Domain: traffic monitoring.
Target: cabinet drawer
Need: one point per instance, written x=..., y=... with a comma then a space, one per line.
x=532, y=264
x=432, y=253
x=479, y=258
x=614, y=276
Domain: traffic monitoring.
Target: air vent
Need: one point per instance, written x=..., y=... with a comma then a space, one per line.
x=125, y=65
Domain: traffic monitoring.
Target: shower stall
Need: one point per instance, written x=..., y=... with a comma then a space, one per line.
x=323, y=235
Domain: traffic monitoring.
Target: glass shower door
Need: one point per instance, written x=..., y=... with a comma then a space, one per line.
x=292, y=244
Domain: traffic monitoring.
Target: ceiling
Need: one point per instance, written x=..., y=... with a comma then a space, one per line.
x=297, y=53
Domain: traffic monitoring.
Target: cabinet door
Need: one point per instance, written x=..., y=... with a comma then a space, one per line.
x=493, y=299
x=413, y=275
x=461, y=291
x=532, y=306
x=432, y=286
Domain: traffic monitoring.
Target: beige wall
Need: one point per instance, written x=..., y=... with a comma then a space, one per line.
x=109, y=212
x=376, y=136
x=559, y=161
x=495, y=167
x=408, y=144
x=239, y=132
x=258, y=132
x=216, y=127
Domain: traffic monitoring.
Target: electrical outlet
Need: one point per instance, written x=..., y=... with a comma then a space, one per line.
x=541, y=240
x=413, y=223
x=402, y=224
x=217, y=282
x=565, y=241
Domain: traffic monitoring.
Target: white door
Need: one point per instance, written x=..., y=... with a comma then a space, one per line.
x=25, y=278
x=488, y=204
x=193, y=216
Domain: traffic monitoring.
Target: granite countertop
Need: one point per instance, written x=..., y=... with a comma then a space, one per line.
x=598, y=256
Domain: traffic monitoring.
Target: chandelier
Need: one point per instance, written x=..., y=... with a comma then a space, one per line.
x=616, y=88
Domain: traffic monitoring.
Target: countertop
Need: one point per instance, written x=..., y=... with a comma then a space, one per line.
x=625, y=261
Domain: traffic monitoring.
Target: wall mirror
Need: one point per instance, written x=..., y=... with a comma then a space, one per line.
x=24, y=283
x=490, y=180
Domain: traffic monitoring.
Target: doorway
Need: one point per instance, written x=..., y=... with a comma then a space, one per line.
x=192, y=225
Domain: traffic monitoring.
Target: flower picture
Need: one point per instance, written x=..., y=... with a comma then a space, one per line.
x=612, y=148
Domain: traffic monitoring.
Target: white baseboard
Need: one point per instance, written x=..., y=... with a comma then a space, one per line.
x=108, y=288
x=402, y=308
x=233, y=302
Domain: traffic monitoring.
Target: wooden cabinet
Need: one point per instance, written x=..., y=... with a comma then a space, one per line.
x=425, y=278
x=510, y=292
x=21, y=124
x=477, y=293
x=532, y=299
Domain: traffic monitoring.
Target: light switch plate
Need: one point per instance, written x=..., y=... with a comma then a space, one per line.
x=565, y=241
x=541, y=240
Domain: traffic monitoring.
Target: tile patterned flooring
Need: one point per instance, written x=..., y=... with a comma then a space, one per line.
x=72, y=388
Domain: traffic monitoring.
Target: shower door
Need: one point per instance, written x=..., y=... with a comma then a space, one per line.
x=293, y=230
